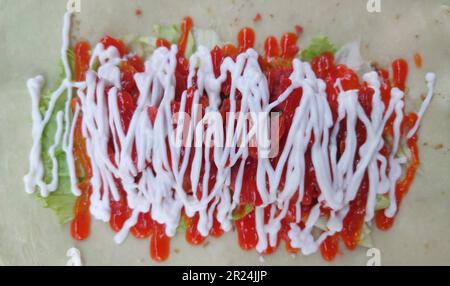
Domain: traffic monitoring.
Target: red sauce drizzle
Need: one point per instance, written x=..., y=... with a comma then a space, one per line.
x=330, y=247
x=354, y=220
x=418, y=60
x=257, y=18
x=82, y=56
x=144, y=226
x=271, y=47
x=81, y=225
x=289, y=48
x=246, y=232
x=186, y=26
x=216, y=230
x=400, y=72
x=246, y=39
x=109, y=41
x=229, y=50
x=382, y=221
x=119, y=210
x=159, y=243
x=277, y=66
x=298, y=30
x=193, y=236
x=162, y=43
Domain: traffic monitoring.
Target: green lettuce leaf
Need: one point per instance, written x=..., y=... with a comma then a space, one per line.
x=62, y=201
x=190, y=46
x=318, y=45
x=365, y=238
x=142, y=46
x=172, y=33
x=241, y=211
x=182, y=226
x=383, y=202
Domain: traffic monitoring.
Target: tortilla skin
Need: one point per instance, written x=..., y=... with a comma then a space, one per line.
x=30, y=42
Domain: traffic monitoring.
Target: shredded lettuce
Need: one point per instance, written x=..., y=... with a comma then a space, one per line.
x=182, y=226
x=350, y=55
x=321, y=224
x=170, y=33
x=241, y=211
x=190, y=46
x=148, y=41
x=142, y=46
x=383, y=202
x=206, y=38
x=62, y=201
x=365, y=238
x=318, y=45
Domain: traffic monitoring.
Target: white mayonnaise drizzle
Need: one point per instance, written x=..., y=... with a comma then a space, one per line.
x=74, y=256
x=36, y=173
x=162, y=168
x=431, y=81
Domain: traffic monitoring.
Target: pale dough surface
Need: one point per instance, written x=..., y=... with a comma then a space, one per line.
x=30, y=37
